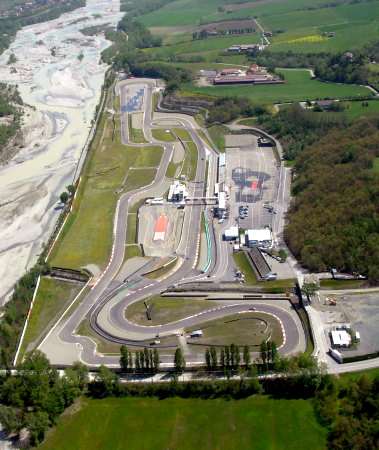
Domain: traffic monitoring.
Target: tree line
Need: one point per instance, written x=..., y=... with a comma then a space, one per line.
x=33, y=398
x=298, y=128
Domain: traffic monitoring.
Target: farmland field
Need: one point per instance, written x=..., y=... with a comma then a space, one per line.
x=298, y=25
x=256, y=423
x=298, y=86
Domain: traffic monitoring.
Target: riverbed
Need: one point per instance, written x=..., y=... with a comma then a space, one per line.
x=59, y=74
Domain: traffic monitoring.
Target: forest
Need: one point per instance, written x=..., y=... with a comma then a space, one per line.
x=333, y=221
x=297, y=127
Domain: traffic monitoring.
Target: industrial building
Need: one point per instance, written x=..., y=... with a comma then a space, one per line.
x=254, y=75
x=259, y=238
x=177, y=192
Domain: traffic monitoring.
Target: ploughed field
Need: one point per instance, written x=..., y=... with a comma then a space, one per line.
x=255, y=423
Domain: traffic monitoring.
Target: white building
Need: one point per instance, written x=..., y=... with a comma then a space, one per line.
x=231, y=234
x=177, y=192
x=340, y=338
x=259, y=238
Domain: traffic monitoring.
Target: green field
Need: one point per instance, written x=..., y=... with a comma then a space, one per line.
x=342, y=284
x=53, y=296
x=217, y=134
x=202, y=47
x=355, y=110
x=190, y=161
x=167, y=309
x=163, y=135
x=255, y=423
x=299, y=86
x=182, y=134
x=250, y=328
x=298, y=25
x=244, y=266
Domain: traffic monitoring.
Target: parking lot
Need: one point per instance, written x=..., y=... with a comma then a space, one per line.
x=252, y=176
x=134, y=100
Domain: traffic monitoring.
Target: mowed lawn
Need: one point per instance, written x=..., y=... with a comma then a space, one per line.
x=111, y=168
x=255, y=423
x=299, y=86
x=53, y=296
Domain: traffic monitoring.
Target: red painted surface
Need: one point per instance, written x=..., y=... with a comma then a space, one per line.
x=161, y=224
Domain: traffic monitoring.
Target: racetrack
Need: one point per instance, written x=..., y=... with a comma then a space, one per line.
x=107, y=299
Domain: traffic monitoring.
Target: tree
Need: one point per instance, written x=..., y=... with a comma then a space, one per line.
x=71, y=189
x=151, y=360
x=237, y=356
x=146, y=358
x=246, y=357
x=263, y=353
x=64, y=197
x=179, y=361
x=222, y=359
x=107, y=380
x=273, y=352
x=37, y=423
x=130, y=361
x=309, y=289
x=213, y=355
x=10, y=419
x=233, y=356
x=124, y=358
x=156, y=360
x=208, y=358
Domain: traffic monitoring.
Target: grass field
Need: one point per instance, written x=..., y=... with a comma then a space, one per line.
x=182, y=134
x=163, y=135
x=131, y=234
x=376, y=165
x=162, y=270
x=354, y=110
x=167, y=309
x=255, y=423
x=202, y=47
x=135, y=134
x=244, y=266
x=250, y=328
x=132, y=250
x=53, y=296
x=342, y=284
x=217, y=134
x=111, y=167
x=190, y=161
x=299, y=86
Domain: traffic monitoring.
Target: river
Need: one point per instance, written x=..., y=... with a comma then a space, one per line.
x=59, y=74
